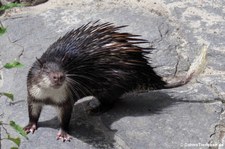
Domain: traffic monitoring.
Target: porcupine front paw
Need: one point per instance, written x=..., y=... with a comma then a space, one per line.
x=64, y=136
x=31, y=127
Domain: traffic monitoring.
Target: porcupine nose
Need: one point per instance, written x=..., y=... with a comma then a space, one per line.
x=57, y=78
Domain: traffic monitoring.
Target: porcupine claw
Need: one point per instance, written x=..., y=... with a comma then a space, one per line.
x=31, y=127
x=64, y=136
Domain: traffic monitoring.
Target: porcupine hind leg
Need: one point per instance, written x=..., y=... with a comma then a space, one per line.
x=107, y=100
x=105, y=105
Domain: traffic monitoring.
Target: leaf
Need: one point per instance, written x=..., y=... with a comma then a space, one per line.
x=17, y=140
x=2, y=30
x=9, y=6
x=14, y=64
x=0, y=122
x=9, y=95
x=14, y=148
x=18, y=128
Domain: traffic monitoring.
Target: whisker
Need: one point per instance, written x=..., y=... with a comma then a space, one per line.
x=82, y=88
x=72, y=90
x=75, y=88
x=81, y=76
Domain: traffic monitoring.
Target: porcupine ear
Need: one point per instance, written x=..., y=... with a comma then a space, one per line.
x=39, y=62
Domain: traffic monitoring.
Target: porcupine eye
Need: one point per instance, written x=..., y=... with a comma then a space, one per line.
x=45, y=69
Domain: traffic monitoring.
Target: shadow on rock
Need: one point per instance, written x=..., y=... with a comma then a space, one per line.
x=96, y=131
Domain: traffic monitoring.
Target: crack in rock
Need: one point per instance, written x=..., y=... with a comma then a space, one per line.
x=217, y=137
x=15, y=43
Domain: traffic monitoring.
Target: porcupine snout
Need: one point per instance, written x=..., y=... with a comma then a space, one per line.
x=57, y=78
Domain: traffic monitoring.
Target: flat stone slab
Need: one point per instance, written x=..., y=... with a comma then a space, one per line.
x=184, y=117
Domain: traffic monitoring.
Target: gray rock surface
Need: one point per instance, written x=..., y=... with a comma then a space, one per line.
x=191, y=116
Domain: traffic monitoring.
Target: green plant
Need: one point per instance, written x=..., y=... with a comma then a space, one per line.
x=10, y=96
x=10, y=65
x=3, y=8
x=17, y=128
x=2, y=30
x=12, y=124
x=13, y=64
x=9, y=6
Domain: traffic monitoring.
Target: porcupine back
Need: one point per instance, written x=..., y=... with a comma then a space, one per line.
x=98, y=57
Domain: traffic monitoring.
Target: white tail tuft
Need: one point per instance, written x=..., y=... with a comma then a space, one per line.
x=199, y=64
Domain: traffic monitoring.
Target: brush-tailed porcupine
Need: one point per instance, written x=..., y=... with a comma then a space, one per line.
x=95, y=59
